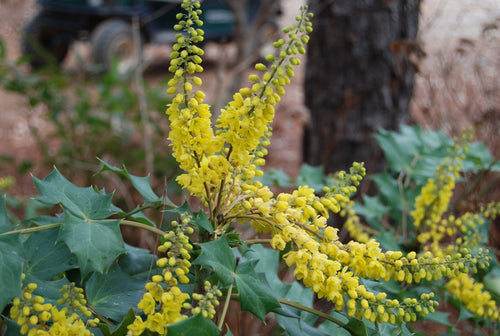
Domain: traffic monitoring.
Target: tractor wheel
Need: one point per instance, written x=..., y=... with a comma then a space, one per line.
x=113, y=40
x=43, y=43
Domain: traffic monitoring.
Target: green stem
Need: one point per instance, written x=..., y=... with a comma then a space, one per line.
x=226, y=305
x=257, y=241
x=312, y=311
x=56, y=225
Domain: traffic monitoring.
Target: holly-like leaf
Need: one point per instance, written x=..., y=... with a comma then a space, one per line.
x=49, y=290
x=114, y=292
x=141, y=184
x=83, y=203
x=255, y=297
x=96, y=243
x=196, y=325
x=45, y=257
x=218, y=256
x=11, y=266
x=201, y=219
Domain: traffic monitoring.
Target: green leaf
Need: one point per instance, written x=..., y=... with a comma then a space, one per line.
x=81, y=202
x=121, y=330
x=255, y=297
x=136, y=262
x=45, y=258
x=5, y=224
x=96, y=243
x=141, y=184
x=439, y=317
x=275, y=177
x=478, y=158
x=201, y=219
x=218, y=256
x=49, y=290
x=388, y=241
x=113, y=293
x=311, y=176
x=196, y=325
x=11, y=266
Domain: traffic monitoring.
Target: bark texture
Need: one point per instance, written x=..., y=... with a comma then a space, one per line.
x=359, y=78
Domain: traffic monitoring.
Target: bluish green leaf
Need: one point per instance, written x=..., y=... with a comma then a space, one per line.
x=439, y=317
x=11, y=266
x=136, y=262
x=275, y=177
x=311, y=176
x=45, y=257
x=141, y=184
x=82, y=202
x=388, y=241
x=255, y=297
x=122, y=329
x=12, y=328
x=96, y=243
x=478, y=158
x=196, y=325
x=49, y=290
x=5, y=224
x=201, y=219
x=42, y=220
x=218, y=256
x=114, y=292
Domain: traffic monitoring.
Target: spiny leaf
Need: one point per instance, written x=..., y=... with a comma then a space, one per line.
x=255, y=297
x=82, y=202
x=218, y=256
x=96, y=243
x=141, y=184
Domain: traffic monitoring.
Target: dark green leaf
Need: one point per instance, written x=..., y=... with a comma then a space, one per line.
x=121, y=330
x=82, y=202
x=13, y=329
x=218, y=256
x=311, y=176
x=114, y=292
x=11, y=266
x=137, y=262
x=96, y=243
x=255, y=297
x=45, y=257
x=196, y=325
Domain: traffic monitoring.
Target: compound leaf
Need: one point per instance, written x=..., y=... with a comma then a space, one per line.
x=196, y=325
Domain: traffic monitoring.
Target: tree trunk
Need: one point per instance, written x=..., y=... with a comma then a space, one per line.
x=359, y=78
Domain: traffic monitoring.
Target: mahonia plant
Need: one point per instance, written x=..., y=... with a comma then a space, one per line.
x=202, y=262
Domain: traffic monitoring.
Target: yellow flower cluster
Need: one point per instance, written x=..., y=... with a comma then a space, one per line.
x=215, y=163
x=37, y=318
x=474, y=297
x=435, y=196
x=6, y=182
x=207, y=301
x=163, y=301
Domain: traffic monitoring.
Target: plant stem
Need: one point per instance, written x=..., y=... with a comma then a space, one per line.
x=56, y=225
x=312, y=311
x=226, y=305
